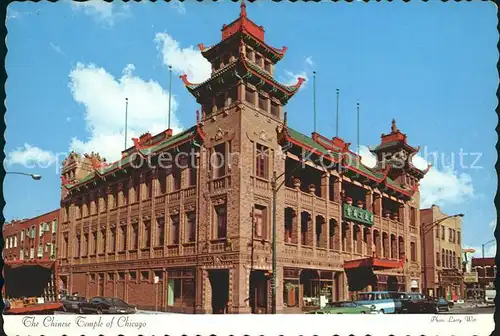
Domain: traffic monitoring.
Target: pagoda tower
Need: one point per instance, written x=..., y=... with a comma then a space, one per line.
x=242, y=106
x=242, y=70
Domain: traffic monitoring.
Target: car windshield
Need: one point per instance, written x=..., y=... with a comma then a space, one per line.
x=344, y=304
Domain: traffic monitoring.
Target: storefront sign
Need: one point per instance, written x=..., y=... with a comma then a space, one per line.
x=470, y=277
x=358, y=214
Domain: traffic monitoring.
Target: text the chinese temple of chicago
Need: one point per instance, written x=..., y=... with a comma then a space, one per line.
x=198, y=238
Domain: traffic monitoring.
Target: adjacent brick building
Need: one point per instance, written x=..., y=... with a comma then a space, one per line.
x=198, y=238
x=486, y=270
x=443, y=248
x=30, y=239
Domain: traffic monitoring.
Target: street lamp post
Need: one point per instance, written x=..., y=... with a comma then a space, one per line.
x=486, y=244
x=35, y=177
x=426, y=229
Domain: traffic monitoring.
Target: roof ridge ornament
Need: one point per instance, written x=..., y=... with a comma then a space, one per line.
x=243, y=9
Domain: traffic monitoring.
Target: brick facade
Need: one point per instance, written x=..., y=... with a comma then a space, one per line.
x=443, y=248
x=33, y=238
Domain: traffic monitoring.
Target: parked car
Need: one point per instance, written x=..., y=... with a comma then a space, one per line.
x=344, y=307
x=443, y=305
x=412, y=302
x=72, y=303
x=106, y=305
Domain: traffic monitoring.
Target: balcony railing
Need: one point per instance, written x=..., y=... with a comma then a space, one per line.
x=357, y=214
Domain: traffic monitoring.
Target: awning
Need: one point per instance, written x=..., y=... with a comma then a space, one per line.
x=374, y=263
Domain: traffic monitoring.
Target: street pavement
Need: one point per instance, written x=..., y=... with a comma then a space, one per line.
x=471, y=309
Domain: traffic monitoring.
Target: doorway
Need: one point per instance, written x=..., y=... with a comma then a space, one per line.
x=219, y=281
x=392, y=283
x=258, y=292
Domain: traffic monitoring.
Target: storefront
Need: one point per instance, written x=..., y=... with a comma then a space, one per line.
x=307, y=289
x=368, y=275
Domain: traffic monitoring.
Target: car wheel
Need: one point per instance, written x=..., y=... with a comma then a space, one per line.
x=99, y=310
x=381, y=311
x=448, y=309
x=64, y=308
x=80, y=311
x=436, y=310
x=363, y=312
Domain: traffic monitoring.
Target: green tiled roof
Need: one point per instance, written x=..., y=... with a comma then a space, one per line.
x=184, y=135
x=308, y=141
x=264, y=74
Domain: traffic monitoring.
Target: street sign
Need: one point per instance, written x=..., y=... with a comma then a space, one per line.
x=470, y=277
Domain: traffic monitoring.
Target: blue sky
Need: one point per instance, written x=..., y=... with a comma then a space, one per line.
x=430, y=66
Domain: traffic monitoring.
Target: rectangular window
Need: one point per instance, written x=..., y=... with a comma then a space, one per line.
x=133, y=276
x=160, y=231
x=267, y=66
x=103, y=241
x=437, y=231
x=192, y=176
x=112, y=240
x=262, y=103
x=144, y=275
x=413, y=252
x=458, y=237
x=93, y=237
x=258, y=59
x=413, y=216
x=450, y=235
x=249, y=95
x=121, y=276
x=162, y=179
x=176, y=175
x=125, y=195
x=134, y=239
x=174, y=230
x=54, y=226
x=220, y=221
x=260, y=226
x=275, y=110
x=218, y=161
x=77, y=246
x=85, y=244
x=22, y=236
x=191, y=226
x=147, y=234
x=149, y=185
x=122, y=237
x=262, y=161
x=438, y=259
x=137, y=189
x=443, y=232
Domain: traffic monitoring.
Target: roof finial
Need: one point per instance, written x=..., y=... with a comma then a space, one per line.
x=243, y=9
x=393, y=127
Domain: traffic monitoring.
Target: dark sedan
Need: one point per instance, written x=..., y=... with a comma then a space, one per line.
x=72, y=303
x=106, y=305
x=443, y=305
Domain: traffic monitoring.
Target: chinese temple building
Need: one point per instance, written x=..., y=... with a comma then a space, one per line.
x=197, y=238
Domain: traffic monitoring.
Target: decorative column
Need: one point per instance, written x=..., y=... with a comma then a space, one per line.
x=377, y=204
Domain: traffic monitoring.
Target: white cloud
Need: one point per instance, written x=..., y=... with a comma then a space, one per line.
x=57, y=49
x=187, y=60
x=493, y=224
x=179, y=7
x=439, y=186
x=30, y=156
x=103, y=11
x=291, y=78
x=309, y=61
x=103, y=97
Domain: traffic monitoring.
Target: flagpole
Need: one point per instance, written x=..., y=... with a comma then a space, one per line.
x=337, y=125
x=169, y=95
x=126, y=120
x=358, y=127
x=314, y=99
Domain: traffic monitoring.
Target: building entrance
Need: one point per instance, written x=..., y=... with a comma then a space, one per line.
x=219, y=281
x=258, y=292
